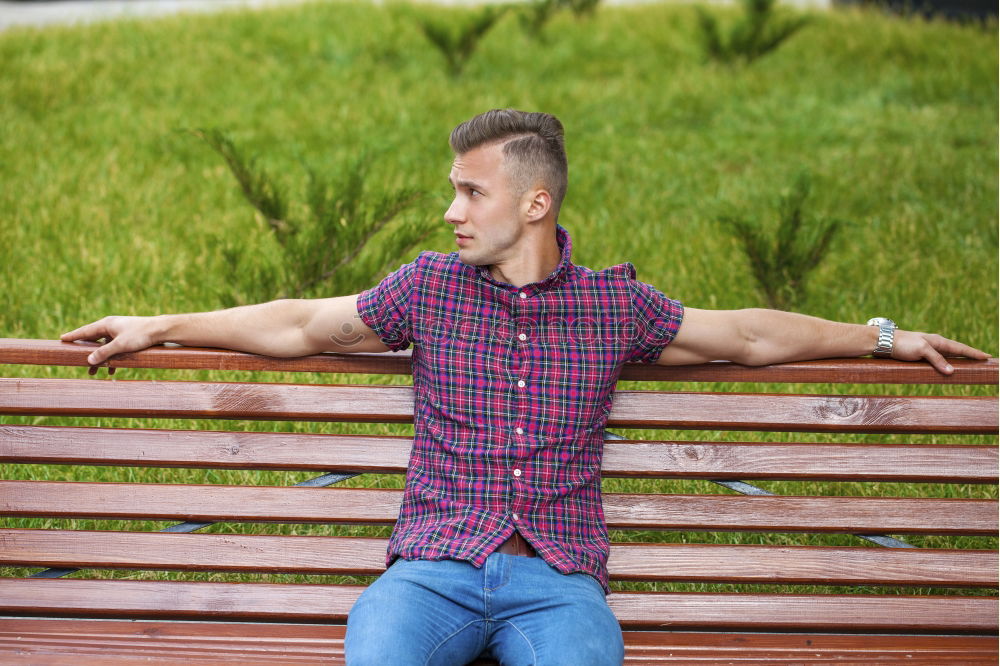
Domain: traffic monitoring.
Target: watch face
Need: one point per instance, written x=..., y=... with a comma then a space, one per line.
x=881, y=321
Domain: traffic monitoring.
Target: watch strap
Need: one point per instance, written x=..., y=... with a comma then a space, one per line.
x=886, y=337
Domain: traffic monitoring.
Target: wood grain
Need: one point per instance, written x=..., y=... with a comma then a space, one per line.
x=101, y=642
x=294, y=602
x=126, y=501
x=322, y=555
x=90, y=640
x=384, y=453
x=394, y=404
x=805, y=413
x=853, y=370
x=253, y=401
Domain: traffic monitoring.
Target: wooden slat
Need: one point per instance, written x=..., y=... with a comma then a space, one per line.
x=319, y=555
x=786, y=612
x=857, y=371
x=226, y=642
x=330, y=603
x=250, y=642
x=805, y=413
x=306, y=637
x=869, y=515
x=742, y=648
x=803, y=564
x=855, y=515
x=78, y=657
x=801, y=460
x=264, y=602
x=295, y=402
x=200, y=448
x=394, y=404
x=251, y=553
x=384, y=453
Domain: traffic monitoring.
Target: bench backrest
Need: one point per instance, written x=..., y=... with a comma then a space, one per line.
x=672, y=563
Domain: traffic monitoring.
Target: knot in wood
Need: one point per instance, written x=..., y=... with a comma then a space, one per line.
x=692, y=452
x=841, y=408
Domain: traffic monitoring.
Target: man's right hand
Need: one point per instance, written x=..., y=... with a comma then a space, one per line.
x=120, y=334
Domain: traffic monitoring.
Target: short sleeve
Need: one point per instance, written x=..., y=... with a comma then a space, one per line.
x=385, y=308
x=656, y=320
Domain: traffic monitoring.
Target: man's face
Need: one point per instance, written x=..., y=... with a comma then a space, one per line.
x=485, y=212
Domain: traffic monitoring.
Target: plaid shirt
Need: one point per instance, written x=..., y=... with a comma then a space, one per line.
x=513, y=387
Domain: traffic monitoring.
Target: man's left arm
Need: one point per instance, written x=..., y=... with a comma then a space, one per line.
x=762, y=337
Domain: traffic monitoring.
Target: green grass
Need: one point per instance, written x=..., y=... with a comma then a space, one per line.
x=108, y=206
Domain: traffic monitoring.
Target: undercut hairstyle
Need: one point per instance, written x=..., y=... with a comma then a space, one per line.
x=534, y=151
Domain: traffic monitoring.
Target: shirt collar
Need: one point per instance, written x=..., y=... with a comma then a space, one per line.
x=554, y=279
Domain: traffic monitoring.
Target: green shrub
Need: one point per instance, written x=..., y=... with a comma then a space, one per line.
x=339, y=248
x=535, y=15
x=758, y=32
x=781, y=262
x=581, y=8
x=458, y=41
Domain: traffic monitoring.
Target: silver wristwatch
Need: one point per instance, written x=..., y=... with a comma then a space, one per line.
x=886, y=328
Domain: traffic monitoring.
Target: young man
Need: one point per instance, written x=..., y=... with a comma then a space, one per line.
x=501, y=545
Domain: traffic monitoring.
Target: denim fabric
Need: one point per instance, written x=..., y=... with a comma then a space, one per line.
x=448, y=612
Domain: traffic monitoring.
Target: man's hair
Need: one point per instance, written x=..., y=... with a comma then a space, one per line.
x=533, y=148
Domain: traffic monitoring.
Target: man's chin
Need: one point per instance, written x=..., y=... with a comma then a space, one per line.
x=471, y=259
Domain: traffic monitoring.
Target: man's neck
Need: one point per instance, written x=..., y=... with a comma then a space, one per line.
x=535, y=262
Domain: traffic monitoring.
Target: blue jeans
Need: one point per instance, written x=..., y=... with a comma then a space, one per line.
x=517, y=609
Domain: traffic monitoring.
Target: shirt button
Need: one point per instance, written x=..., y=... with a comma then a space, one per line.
x=520, y=383
x=519, y=431
x=517, y=472
x=522, y=294
x=515, y=516
x=522, y=337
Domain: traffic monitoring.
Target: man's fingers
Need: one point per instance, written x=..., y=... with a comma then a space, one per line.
x=92, y=331
x=106, y=351
x=96, y=357
x=953, y=348
x=933, y=349
x=938, y=361
x=119, y=334
x=938, y=347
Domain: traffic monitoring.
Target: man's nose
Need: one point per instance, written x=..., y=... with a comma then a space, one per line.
x=454, y=214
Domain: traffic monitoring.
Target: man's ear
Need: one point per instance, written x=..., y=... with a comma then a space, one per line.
x=537, y=203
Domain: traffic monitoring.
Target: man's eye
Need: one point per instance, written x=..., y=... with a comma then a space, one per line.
x=475, y=193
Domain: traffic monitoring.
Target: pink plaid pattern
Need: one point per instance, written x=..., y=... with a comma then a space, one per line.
x=513, y=389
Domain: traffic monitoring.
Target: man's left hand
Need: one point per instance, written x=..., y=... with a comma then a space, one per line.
x=913, y=346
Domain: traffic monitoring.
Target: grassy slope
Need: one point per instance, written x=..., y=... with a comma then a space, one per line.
x=106, y=206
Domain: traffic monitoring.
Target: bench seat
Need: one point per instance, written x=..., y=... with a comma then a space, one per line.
x=850, y=591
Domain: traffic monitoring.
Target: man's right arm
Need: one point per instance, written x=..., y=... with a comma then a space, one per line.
x=283, y=328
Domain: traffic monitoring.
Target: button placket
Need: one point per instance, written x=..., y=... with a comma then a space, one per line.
x=520, y=350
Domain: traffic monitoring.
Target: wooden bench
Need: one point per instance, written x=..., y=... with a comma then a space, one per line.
x=705, y=599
